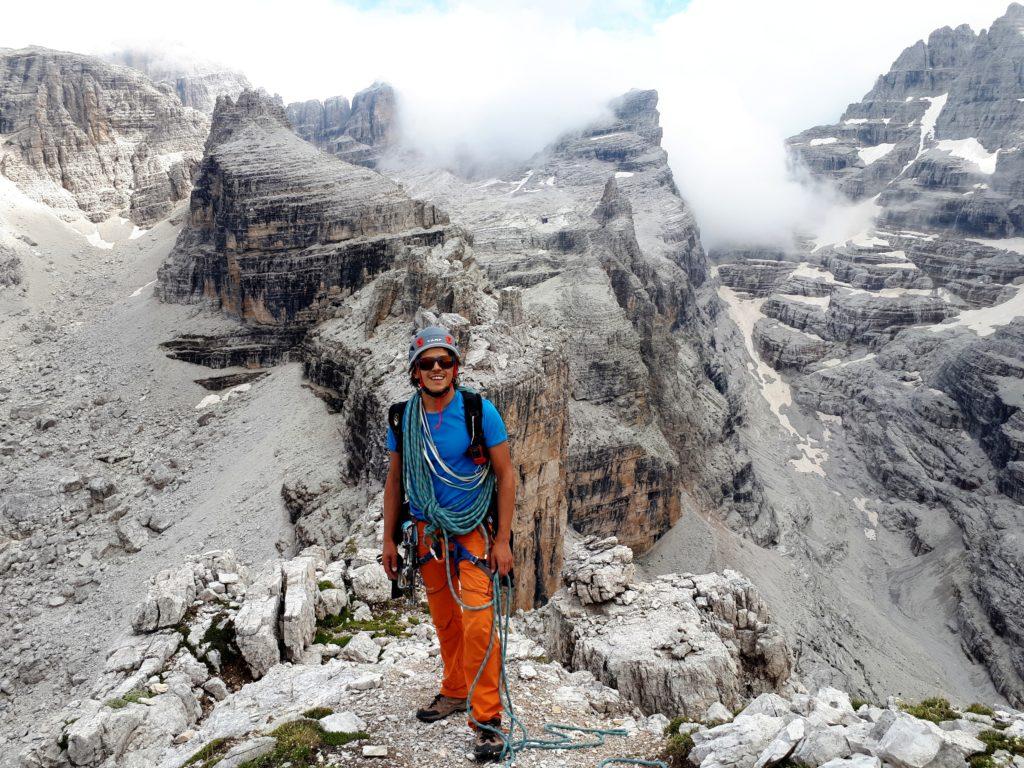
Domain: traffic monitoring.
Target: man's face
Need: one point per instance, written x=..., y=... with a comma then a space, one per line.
x=436, y=378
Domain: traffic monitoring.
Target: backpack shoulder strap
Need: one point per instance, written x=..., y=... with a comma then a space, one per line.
x=395, y=414
x=474, y=411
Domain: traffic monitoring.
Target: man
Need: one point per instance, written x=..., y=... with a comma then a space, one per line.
x=442, y=446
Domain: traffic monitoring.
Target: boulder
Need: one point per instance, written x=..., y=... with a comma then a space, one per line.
x=782, y=745
x=361, y=648
x=821, y=744
x=596, y=570
x=298, y=621
x=170, y=594
x=371, y=584
x=343, y=722
x=738, y=743
x=256, y=622
x=910, y=743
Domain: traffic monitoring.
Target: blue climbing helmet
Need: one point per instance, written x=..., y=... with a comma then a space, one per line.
x=432, y=337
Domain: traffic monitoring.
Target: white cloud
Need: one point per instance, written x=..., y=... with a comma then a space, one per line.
x=735, y=76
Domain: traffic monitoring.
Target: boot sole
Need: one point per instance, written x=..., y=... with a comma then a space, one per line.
x=487, y=755
x=433, y=718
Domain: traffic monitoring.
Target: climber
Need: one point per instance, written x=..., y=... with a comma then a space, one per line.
x=457, y=439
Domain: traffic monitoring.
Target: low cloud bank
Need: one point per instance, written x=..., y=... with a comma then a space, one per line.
x=495, y=82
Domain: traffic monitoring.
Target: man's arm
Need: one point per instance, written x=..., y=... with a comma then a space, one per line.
x=505, y=474
x=392, y=506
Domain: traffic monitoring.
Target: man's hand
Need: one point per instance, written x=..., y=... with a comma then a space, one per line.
x=389, y=559
x=501, y=557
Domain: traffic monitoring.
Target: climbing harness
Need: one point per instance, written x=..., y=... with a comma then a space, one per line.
x=420, y=462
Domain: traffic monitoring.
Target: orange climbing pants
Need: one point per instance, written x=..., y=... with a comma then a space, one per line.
x=463, y=635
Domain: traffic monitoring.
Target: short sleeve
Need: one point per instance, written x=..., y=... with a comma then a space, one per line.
x=494, y=426
x=392, y=443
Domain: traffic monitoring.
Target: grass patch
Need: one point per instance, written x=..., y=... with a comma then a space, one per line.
x=678, y=749
x=132, y=697
x=339, y=629
x=935, y=709
x=980, y=709
x=302, y=744
x=674, y=723
x=325, y=584
x=210, y=754
x=317, y=712
x=995, y=740
x=858, y=703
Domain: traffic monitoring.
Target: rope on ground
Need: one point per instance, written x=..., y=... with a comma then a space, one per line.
x=512, y=746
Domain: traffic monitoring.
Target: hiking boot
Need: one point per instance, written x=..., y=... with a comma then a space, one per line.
x=488, y=744
x=441, y=707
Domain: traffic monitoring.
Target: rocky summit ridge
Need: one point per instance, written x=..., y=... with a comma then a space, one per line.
x=749, y=480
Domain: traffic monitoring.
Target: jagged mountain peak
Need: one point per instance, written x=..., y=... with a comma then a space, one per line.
x=251, y=107
x=358, y=133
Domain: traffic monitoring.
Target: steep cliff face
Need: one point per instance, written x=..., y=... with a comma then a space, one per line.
x=892, y=358
x=359, y=133
x=609, y=258
x=83, y=135
x=276, y=227
x=938, y=136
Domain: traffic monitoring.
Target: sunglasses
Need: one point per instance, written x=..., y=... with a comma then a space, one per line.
x=427, y=363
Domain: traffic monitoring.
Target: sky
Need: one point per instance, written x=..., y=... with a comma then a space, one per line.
x=501, y=78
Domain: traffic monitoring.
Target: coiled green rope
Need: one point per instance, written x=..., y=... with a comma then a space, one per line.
x=417, y=476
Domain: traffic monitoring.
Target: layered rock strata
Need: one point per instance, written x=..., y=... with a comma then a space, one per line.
x=276, y=227
x=937, y=138
x=197, y=84
x=341, y=274
x=82, y=135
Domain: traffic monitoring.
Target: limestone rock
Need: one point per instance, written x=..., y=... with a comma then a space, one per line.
x=85, y=135
x=256, y=632
x=361, y=648
x=737, y=743
x=910, y=743
x=298, y=619
x=343, y=722
x=595, y=570
x=370, y=583
x=170, y=594
x=247, y=751
x=346, y=224
x=636, y=648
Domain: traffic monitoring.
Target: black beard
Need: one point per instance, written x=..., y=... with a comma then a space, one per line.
x=442, y=393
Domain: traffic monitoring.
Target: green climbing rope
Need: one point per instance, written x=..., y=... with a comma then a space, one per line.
x=418, y=472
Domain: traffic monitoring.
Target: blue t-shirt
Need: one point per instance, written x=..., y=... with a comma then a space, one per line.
x=448, y=428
